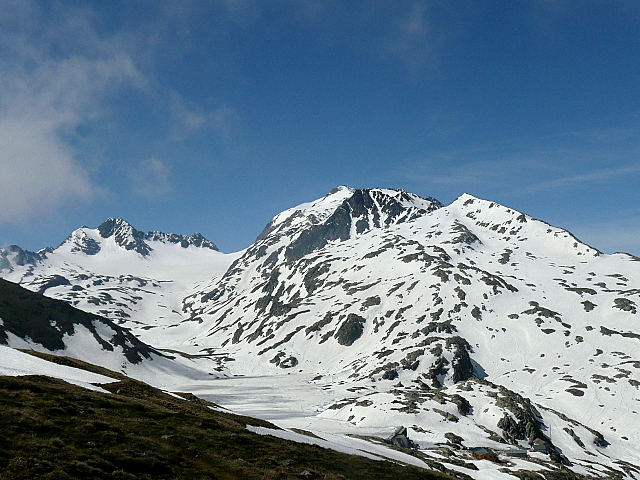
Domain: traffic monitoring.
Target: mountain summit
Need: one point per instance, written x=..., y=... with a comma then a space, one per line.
x=342, y=214
x=124, y=235
x=118, y=271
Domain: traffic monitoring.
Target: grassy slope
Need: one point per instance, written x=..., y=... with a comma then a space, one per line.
x=51, y=429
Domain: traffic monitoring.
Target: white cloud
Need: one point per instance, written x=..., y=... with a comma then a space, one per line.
x=54, y=72
x=151, y=179
x=37, y=170
x=565, y=159
x=598, y=175
x=471, y=168
x=189, y=118
x=519, y=176
x=244, y=13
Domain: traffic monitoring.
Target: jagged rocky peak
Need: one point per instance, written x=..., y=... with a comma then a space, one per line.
x=384, y=205
x=81, y=241
x=185, y=241
x=125, y=235
x=133, y=239
x=13, y=255
x=89, y=241
x=344, y=213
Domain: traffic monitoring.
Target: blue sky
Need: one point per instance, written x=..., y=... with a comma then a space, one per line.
x=213, y=116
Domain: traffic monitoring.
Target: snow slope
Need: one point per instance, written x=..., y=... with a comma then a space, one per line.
x=15, y=363
x=31, y=321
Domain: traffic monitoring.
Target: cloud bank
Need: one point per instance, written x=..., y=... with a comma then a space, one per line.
x=53, y=76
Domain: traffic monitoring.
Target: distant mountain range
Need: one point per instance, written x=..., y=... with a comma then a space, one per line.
x=472, y=324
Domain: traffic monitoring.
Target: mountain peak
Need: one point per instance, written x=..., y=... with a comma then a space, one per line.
x=339, y=189
x=90, y=241
x=342, y=214
x=466, y=196
x=379, y=199
x=131, y=239
x=115, y=226
x=124, y=235
x=185, y=241
x=14, y=255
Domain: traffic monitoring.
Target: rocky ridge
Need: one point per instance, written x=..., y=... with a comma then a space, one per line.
x=31, y=321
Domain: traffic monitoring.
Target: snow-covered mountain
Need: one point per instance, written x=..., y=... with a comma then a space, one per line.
x=472, y=324
x=136, y=279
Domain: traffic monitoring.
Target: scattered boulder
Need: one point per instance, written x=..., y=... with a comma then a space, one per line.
x=350, y=330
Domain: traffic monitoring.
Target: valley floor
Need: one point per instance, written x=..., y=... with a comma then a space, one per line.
x=294, y=403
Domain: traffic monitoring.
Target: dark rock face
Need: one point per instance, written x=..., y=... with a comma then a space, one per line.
x=438, y=368
x=289, y=362
x=53, y=281
x=599, y=440
x=88, y=246
x=390, y=374
x=527, y=424
x=464, y=235
x=185, y=241
x=453, y=438
x=625, y=305
x=464, y=407
x=337, y=227
x=25, y=257
x=320, y=324
x=461, y=363
x=311, y=278
x=282, y=362
x=125, y=235
x=350, y=330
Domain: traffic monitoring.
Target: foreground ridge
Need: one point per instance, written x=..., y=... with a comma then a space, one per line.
x=50, y=427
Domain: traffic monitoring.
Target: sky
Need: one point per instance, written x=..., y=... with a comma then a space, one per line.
x=215, y=115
